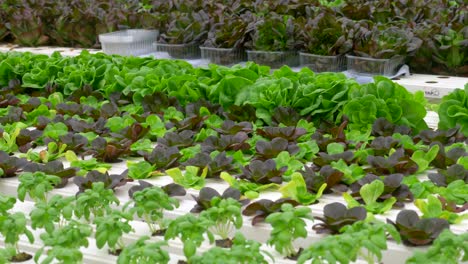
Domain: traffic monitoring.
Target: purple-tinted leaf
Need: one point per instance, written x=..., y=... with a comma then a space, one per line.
x=11, y=165
x=262, y=208
x=226, y=143
x=271, y=149
x=336, y=216
x=163, y=157
x=263, y=172
x=230, y=127
x=291, y=134
x=173, y=139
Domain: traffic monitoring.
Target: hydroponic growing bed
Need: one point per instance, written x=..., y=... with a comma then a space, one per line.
x=99, y=152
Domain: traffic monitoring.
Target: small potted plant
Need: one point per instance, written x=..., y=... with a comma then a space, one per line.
x=324, y=42
x=273, y=42
x=225, y=39
x=380, y=51
x=184, y=34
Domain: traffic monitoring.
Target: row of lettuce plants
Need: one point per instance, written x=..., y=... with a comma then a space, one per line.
x=431, y=32
x=303, y=134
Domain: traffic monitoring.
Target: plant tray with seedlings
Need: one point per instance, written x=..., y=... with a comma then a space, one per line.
x=155, y=161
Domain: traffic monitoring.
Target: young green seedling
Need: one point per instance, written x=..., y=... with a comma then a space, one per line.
x=447, y=248
x=6, y=203
x=52, y=152
x=423, y=159
x=191, y=230
x=243, y=251
x=362, y=239
x=86, y=165
x=190, y=179
x=150, y=204
x=141, y=252
x=288, y=225
x=8, y=141
x=370, y=192
x=12, y=226
x=65, y=243
x=6, y=254
x=57, y=210
x=95, y=201
x=37, y=185
x=432, y=208
x=110, y=228
x=226, y=216
x=250, y=189
x=297, y=190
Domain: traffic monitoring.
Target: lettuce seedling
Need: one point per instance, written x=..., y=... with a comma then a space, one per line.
x=10, y=165
x=57, y=210
x=190, y=179
x=141, y=252
x=269, y=150
x=162, y=157
x=52, y=152
x=228, y=142
x=37, y=185
x=393, y=187
x=447, y=248
x=109, y=152
x=296, y=189
x=398, y=162
x=206, y=194
x=191, y=230
x=220, y=163
x=326, y=175
x=288, y=225
x=110, y=228
x=174, y=139
x=432, y=208
x=370, y=193
x=172, y=189
x=111, y=181
x=415, y=231
x=150, y=203
x=141, y=170
x=423, y=158
x=8, y=141
x=86, y=166
x=453, y=173
x=263, y=172
x=53, y=168
x=336, y=216
x=249, y=189
x=95, y=202
x=456, y=191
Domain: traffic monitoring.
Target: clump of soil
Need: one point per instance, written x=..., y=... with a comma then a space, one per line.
x=160, y=232
x=115, y=253
x=224, y=243
x=295, y=256
x=21, y=257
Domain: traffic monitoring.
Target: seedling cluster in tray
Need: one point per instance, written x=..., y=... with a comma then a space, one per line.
x=108, y=159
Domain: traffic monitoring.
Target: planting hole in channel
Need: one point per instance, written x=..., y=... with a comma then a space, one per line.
x=443, y=77
x=431, y=82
